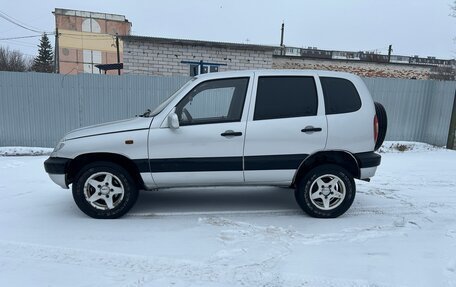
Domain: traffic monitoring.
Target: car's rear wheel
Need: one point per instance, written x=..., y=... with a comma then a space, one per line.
x=104, y=190
x=326, y=191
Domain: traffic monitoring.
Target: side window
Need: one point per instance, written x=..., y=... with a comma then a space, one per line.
x=214, y=101
x=285, y=97
x=340, y=95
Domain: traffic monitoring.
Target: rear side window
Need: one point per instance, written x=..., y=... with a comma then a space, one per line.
x=340, y=95
x=285, y=97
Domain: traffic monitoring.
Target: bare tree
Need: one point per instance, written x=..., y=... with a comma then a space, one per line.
x=13, y=60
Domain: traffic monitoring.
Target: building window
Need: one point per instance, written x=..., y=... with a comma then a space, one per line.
x=196, y=69
x=91, y=25
x=91, y=58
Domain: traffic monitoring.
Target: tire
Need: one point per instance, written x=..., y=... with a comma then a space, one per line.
x=382, y=124
x=104, y=190
x=326, y=202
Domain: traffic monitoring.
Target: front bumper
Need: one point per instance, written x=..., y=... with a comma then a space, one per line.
x=59, y=179
x=57, y=168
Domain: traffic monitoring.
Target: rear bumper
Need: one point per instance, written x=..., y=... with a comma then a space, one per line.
x=57, y=167
x=368, y=172
x=368, y=159
x=368, y=162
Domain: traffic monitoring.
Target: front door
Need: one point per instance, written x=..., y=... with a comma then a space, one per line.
x=207, y=147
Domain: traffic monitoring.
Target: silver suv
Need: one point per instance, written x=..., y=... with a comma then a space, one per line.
x=314, y=131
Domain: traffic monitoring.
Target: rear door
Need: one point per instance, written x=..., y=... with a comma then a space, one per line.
x=286, y=123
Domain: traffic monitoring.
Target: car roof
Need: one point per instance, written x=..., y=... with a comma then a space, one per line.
x=275, y=72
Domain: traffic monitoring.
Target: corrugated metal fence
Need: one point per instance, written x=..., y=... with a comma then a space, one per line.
x=418, y=110
x=38, y=109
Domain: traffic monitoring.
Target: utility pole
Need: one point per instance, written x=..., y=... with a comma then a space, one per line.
x=390, y=50
x=281, y=38
x=281, y=34
x=118, y=53
x=56, y=51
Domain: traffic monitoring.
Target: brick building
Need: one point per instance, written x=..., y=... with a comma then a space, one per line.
x=161, y=56
x=86, y=39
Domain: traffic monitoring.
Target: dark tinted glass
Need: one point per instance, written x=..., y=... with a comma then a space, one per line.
x=285, y=97
x=340, y=95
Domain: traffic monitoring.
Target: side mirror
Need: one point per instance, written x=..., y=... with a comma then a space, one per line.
x=173, y=121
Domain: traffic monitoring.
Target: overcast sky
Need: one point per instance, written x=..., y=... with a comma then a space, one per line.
x=413, y=27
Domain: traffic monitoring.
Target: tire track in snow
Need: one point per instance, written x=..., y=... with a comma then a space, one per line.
x=190, y=270
x=393, y=210
x=152, y=270
x=236, y=231
x=276, y=243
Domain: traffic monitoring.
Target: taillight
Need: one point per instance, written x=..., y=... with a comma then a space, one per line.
x=375, y=128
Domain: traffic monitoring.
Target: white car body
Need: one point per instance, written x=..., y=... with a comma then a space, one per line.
x=269, y=152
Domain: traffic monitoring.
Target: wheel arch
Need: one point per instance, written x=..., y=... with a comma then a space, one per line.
x=342, y=158
x=82, y=160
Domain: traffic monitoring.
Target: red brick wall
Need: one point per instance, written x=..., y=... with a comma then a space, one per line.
x=74, y=23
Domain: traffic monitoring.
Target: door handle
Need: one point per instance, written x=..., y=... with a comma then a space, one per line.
x=310, y=129
x=230, y=133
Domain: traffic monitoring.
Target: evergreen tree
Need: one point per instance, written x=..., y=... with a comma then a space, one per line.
x=44, y=62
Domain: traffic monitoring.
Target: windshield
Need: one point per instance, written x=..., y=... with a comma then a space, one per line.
x=160, y=107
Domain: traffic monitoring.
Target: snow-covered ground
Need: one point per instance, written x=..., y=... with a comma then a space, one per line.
x=400, y=231
x=21, y=151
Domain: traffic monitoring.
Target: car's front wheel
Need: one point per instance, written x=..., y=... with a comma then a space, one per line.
x=326, y=191
x=104, y=190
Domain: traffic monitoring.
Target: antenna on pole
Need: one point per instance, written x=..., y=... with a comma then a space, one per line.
x=282, y=47
x=56, y=52
x=281, y=34
x=118, y=53
x=390, y=50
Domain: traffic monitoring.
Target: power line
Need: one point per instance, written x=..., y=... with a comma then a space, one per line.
x=18, y=43
x=33, y=20
x=17, y=23
x=17, y=20
x=20, y=37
